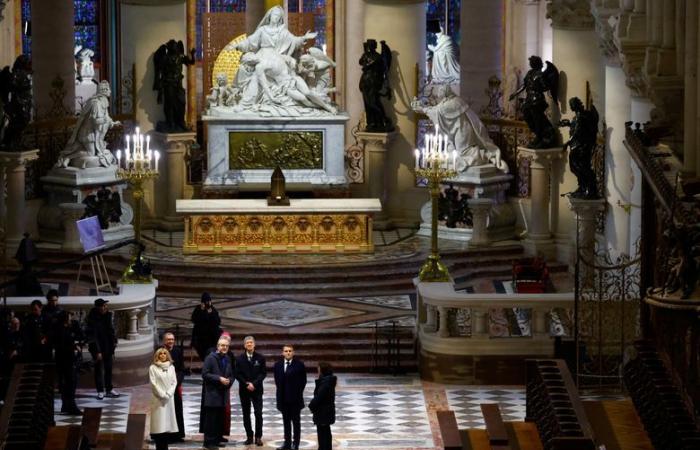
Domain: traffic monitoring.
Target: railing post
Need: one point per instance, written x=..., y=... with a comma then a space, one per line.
x=539, y=322
x=133, y=332
x=144, y=327
x=443, y=330
x=431, y=319
x=479, y=319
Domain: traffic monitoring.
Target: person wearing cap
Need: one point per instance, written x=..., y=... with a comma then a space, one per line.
x=102, y=342
x=207, y=326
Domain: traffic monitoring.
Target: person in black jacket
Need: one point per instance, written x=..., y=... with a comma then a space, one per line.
x=179, y=364
x=217, y=376
x=290, y=380
x=207, y=326
x=66, y=337
x=35, y=343
x=322, y=406
x=250, y=374
x=102, y=342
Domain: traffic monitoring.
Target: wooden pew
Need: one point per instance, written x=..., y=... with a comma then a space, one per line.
x=451, y=439
x=495, y=427
x=91, y=424
x=135, y=429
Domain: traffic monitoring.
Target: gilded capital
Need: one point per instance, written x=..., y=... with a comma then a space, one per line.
x=570, y=14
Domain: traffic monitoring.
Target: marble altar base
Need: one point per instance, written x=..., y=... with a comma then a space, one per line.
x=223, y=172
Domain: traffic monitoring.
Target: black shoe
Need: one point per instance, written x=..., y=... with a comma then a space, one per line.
x=258, y=442
x=295, y=447
x=223, y=439
x=284, y=447
x=248, y=441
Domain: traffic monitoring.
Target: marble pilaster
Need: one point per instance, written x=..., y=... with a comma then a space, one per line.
x=376, y=146
x=586, y=214
x=14, y=165
x=174, y=146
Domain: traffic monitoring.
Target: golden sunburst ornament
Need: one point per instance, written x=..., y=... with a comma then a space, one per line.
x=228, y=61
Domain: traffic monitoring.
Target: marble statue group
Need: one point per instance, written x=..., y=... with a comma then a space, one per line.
x=275, y=77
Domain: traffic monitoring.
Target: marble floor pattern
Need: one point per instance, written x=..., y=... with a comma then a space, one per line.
x=373, y=411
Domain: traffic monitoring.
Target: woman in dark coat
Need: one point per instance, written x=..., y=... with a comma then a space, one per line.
x=323, y=405
x=207, y=327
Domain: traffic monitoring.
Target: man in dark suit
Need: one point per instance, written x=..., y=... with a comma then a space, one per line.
x=250, y=375
x=290, y=379
x=102, y=343
x=179, y=364
x=217, y=376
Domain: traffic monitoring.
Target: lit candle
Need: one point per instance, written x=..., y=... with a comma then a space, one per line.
x=119, y=158
x=417, y=153
x=157, y=158
x=324, y=48
x=454, y=160
x=127, y=142
x=148, y=142
x=141, y=145
x=126, y=155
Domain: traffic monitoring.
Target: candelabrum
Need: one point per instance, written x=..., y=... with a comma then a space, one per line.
x=137, y=164
x=435, y=164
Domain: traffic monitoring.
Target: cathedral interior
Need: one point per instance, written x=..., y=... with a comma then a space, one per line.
x=483, y=214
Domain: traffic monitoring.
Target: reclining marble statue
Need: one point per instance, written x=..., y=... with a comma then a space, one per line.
x=274, y=78
x=87, y=146
x=465, y=132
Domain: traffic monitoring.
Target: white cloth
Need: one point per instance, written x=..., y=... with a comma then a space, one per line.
x=163, y=383
x=445, y=65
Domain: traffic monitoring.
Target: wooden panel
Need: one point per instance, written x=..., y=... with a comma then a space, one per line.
x=616, y=424
x=526, y=436
x=495, y=427
x=451, y=440
x=91, y=424
x=135, y=428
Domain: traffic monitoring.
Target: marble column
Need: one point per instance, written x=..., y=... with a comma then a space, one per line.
x=481, y=52
x=402, y=24
x=480, y=208
x=586, y=214
x=254, y=12
x=539, y=240
x=376, y=146
x=175, y=146
x=52, y=52
x=617, y=160
x=14, y=164
x=7, y=33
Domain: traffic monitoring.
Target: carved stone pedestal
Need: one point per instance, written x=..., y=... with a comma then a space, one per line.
x=174, y=147
x=586, y=215
x=480, y=207
x=376, y=145
x=538, y=240
x=13, y=166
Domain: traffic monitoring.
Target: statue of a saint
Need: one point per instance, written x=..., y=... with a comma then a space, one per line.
x=86, y=146
x=445, y=65
x=584, y=133
x=86, y=68
x=535, y=85
x=374, y=84
x=315, y=68
x=15, y=102
x=465, y=131
x=168, y=61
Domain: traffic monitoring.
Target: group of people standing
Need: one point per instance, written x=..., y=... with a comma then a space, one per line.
x=221, y=368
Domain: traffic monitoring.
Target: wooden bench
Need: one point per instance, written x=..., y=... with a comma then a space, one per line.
x=495, y=427
x=90, y=427
x=451, y=439
x=135, y=429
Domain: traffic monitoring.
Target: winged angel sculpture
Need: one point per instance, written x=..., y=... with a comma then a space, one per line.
x=275, y=78
x=536, y=83
x=168, y=61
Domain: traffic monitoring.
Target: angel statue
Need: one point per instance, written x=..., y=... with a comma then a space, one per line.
x=104, y=204
x=445, y=64
x=535, y=84
x=86, y=146
x=584, y=134
x=315, y=68
x=85, y=67
x=374, y=84
x=15, y=102
x=465, y=132
x=168, y=61
x=220, y=93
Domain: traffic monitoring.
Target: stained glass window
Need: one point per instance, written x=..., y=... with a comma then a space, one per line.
x=215, y=6
x=87, y=26
x=447, y=13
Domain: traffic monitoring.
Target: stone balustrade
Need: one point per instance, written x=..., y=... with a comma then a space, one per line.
x=133, y=309
x=440, y=307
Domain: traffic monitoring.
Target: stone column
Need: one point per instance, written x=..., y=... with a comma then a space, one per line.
x=254, y=12
x=539, y=232
x=52, y=52
x=376, y=145
x=174, y=146
x=14, y=165
x=617, y=160
x=481, y=53
x=70, y=213
x=402, y=24
x=586, y=214
x=480, y=208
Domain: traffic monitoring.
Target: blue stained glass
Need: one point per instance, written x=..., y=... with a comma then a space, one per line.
x=86, y=12
x=26, y=19
x=318, y=8
x=293, y=6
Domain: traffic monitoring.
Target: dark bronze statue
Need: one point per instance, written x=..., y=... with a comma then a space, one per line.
x=104, y=204
x=453, y=208
x=168, y=61
x=583, y=135
x=374, y=84
x=535, y=85
x=15, y=103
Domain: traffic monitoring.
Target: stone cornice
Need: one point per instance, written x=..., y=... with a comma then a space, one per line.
x=570, y=14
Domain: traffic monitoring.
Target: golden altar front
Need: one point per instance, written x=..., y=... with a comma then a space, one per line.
x=328, y=225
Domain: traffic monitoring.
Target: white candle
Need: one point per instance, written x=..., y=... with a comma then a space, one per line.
x=157, y=158
x=417, y=153
x=454, y=160
x=127, y=142
x=148, y=142
x=119, y=158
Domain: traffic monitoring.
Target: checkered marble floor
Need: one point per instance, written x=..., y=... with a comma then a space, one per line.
x=465, y=401
x=115, y=411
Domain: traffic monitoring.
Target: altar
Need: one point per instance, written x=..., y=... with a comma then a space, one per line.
x=321, y=225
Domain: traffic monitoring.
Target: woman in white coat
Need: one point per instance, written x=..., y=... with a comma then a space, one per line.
x=163, y=382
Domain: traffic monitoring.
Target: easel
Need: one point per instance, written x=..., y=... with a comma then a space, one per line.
x=100, y=276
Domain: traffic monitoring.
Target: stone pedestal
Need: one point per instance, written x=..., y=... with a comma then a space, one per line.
x=14, y=166
x=376, y=145
x=70, y=213
x=71, y=185
x=480, y=183
x=175, y=146
x=480, y=207
x=586, y=212
x=538, y=239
